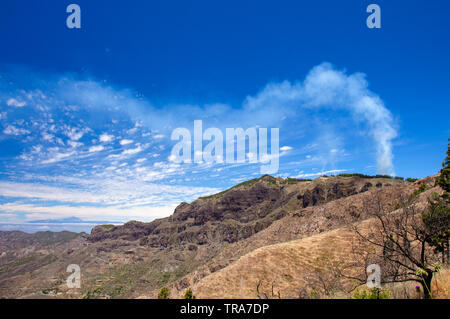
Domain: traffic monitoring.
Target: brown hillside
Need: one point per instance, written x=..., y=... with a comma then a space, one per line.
x=294, y=269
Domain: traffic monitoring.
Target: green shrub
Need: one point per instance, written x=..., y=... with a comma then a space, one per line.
x=97, y=292
x=374, y=293
x=288, y=277
x=420, y=190
x=164, y=293
x=291, y=180
x=355, y=175
x=107, y=226
x=189, y=294
x=383, y=176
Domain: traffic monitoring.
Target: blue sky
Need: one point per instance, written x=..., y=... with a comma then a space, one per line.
x=86, y=115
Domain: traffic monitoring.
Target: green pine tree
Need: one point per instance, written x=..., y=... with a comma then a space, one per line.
x=444, y=178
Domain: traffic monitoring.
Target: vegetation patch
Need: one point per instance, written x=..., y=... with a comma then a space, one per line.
x=269, y=179
x=107, y=226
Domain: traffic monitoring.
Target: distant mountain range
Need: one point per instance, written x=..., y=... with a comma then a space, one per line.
x=68, y=220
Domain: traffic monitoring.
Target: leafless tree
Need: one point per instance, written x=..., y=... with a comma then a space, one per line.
x=263, y=295
x=400, y=244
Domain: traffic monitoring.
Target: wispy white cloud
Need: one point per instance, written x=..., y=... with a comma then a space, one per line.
x=117, y=214
x=105, y=137
x=96, y=148
x=334, y=171
x=75, y=133
x=57, y=156
x=125, y=142
x=285, y=148
x=132, y=151
x=12, y=130
x=74, y=144
x=109, y=198
x=15, y=103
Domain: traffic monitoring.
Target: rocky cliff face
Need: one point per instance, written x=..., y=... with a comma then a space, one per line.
x=228, y=217
x=233, y=215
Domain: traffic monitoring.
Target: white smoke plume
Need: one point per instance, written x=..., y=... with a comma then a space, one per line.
x=325, y=87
